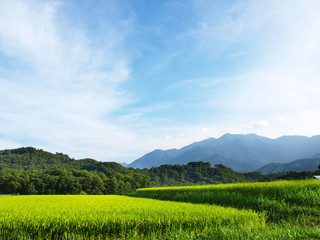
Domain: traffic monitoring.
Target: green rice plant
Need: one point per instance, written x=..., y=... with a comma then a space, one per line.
x=64, y=217
x=283, y=200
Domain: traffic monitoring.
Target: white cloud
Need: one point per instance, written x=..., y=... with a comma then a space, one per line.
x=62, y=97
x=276, y=43
x=66, y=92
x=260, y=123
x=282, y=118
x=279, y=73
x=168, y=136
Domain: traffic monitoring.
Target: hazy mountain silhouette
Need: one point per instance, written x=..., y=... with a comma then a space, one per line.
x=295, y=166
x=240, y=152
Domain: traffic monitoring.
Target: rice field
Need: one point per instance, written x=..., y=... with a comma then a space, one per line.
x=101, y=217
x=270, y=210
x=283, y=200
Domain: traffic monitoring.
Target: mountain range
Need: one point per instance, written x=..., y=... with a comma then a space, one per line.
x=309, y=164
x=243, y=153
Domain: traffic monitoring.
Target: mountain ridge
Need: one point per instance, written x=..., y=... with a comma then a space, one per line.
x=250, y=150
x=299, y=165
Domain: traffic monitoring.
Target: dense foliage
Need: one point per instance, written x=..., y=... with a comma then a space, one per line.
x=69, y=182
x=197, y=173
x=192, y=173
x=32, y=171
x=36, y=159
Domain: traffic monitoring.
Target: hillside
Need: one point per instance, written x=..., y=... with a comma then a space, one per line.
x=33, y=171
x=294, y=166
x=242, y=153
x=29, y=170
x=38, y=171
x=29, y=158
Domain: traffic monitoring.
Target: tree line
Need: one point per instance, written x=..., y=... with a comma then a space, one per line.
x=33, y=171
x=198, y=173
x=69, y=182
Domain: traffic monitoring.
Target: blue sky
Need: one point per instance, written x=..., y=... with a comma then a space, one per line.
x=113, y=80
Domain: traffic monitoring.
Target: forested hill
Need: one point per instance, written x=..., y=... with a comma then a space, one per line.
x=29, y=158
x=31, y=171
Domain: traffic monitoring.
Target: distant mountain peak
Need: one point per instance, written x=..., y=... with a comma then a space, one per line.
x=294, y=166
x=252, y=150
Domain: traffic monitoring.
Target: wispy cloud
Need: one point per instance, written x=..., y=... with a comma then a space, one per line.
x=70, y=82
x=88, y=82
x=280, y=73
x=272, y=46
x=260, y=123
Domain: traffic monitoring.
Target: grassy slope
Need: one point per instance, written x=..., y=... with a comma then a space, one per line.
x=106, y=216
x=292, y=207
